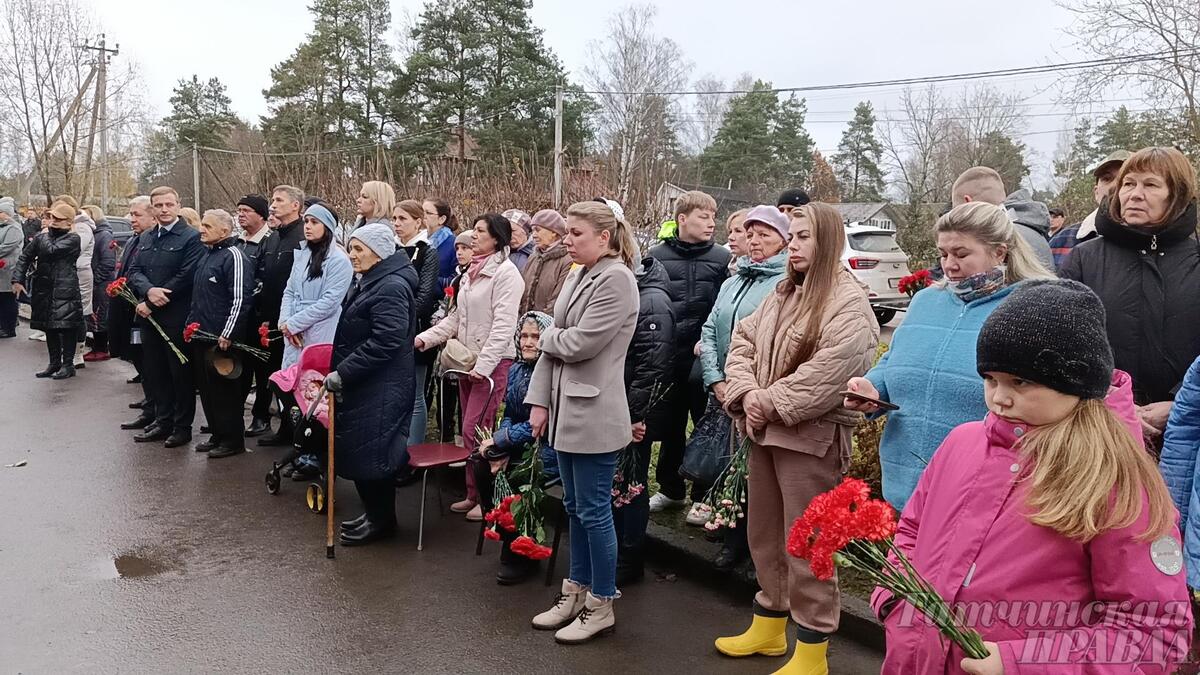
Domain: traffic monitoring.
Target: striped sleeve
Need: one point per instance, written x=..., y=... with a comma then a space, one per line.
x=237, y=305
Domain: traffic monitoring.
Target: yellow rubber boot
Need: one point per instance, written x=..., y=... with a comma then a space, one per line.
x=809, y=659
x=767, y=635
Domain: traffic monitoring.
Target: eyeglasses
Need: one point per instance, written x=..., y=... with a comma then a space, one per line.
x=431, y=214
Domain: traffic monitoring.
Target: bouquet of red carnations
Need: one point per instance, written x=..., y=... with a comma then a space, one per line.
x=845, y=528
x=520, y=511
x=192, y=331
x=266, y=336
x=120, y=289
x=915, y=282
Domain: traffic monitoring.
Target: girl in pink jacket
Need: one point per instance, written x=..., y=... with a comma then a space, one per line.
x=1046, y=526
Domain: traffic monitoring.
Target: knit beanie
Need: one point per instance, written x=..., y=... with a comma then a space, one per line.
x=466, y=238
x=376, y=236
x=518, y=218
x=551, y=220
x=258, y=204
x=326, y=217
x=792, y=197
x=1051, y=332
x=8, y=206
x=770, y=216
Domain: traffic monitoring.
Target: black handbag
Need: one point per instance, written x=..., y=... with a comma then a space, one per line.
x=707, y=451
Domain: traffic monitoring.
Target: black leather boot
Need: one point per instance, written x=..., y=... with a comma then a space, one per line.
x=368, y=533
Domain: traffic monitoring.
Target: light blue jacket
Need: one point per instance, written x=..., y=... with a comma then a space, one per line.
x=739, y=296
x=929, y=371
x=1179, y=469
x=311, y=307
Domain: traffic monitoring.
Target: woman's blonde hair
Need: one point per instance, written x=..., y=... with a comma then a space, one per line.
x=94, y=212
x=991, y=225
x=620, y=242
x=829, y=230
x=190, y=216
x=384, y=197
x=1089, y=474
x=414, y=209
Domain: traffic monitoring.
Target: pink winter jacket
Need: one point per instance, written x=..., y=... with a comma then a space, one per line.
x=485, y=316
x=1026, y=587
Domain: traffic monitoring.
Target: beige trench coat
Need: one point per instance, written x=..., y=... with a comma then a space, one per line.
x=581, y=375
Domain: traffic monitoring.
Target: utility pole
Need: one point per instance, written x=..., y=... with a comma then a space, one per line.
x=100, y=114
x=196, y=177
x=558, y=148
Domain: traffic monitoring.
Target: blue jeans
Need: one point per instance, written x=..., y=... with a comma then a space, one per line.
x=420, y=414
x=587, y=484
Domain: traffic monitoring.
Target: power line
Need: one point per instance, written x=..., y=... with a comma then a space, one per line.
x=930, y=79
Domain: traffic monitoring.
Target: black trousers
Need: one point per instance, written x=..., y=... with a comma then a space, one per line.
x=686, y=397
x=448, y=405
x=170, y=384
x=60, y=344
x=8, y=312
x=632, y=519
x=221, y=399
x=254, y=379
x=379, y=500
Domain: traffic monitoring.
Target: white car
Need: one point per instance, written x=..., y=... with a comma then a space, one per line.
x=873, y=255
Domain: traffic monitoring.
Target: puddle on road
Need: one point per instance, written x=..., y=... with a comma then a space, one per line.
x=133, y=566
x=136, y=565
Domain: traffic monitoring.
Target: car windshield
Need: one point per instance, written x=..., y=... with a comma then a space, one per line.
x=875, y=242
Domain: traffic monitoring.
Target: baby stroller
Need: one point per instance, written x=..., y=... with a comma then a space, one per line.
x=310, y=418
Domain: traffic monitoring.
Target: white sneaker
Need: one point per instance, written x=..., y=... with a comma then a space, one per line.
x=699, y=514
x=661, y=502
x=37, y=335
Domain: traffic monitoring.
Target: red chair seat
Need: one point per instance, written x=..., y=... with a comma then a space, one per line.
x=430, y=455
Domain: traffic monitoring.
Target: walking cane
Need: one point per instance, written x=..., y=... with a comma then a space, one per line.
x=330, y=479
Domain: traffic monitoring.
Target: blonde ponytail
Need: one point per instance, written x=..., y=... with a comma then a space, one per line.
x=1089, y=476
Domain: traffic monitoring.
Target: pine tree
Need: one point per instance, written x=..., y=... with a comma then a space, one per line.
x=200, y=114
x=858, y=158
x=1006, y=156
x=823, y=186
x=792, y=145
x=329, y=92
x=742, y=151
x=480, y=67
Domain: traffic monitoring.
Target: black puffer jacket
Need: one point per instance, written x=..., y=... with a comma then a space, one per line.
x=651, y=356
x=696, y=272
x=56, y=303
x=104, y=255
x=277, y=252
x=1150, y=287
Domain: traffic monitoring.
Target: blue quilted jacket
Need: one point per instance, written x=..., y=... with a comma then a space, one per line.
x=1179, y=468
x=929, y=371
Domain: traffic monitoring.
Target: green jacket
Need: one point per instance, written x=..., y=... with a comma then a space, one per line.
x=740, y=295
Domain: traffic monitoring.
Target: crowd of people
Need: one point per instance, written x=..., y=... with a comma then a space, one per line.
x=1029, y=391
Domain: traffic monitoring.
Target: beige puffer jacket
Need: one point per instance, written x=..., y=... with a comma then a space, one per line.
x=805, y=397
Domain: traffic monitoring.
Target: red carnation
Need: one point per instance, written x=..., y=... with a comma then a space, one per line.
x=529, y=548
x=189, y=331
x=491, y=534
x=3, y=264
x=450, y=292
x=112, y=245
x=263, y=330
x=264, y=342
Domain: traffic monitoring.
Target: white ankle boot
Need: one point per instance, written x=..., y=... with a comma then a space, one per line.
x=596, y=619
x=567, y=605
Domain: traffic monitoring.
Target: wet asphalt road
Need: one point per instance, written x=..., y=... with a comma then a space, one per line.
x=134, y=558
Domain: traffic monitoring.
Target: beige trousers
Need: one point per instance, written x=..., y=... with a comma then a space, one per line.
x=782, y=482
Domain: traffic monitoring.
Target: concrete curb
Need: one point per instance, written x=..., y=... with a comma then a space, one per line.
x=692, y=556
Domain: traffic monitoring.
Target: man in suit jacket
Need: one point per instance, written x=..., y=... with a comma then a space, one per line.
x=162, y=275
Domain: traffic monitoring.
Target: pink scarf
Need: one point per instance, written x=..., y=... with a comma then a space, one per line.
x=477, y=263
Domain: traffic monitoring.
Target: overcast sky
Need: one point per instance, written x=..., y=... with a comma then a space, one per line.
x=783, y=41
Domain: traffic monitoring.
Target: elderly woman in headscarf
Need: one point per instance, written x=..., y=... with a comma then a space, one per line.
x=509, y=444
